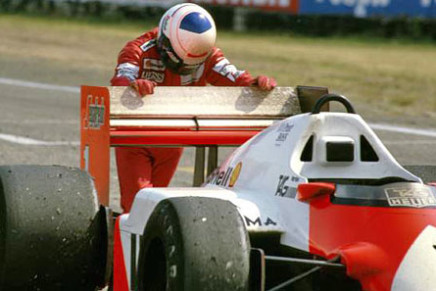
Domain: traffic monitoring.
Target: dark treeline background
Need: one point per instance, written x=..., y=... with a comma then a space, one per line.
x=255, y=20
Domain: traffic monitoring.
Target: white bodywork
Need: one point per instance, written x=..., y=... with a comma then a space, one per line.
x=261, y=176
x=416, y=271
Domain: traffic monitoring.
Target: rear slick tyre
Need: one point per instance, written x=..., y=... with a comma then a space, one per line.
x=194, y=243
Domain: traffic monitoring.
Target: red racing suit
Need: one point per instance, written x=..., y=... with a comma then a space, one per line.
x=140, y=59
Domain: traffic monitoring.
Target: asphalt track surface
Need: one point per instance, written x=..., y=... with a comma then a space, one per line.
x=39, y=124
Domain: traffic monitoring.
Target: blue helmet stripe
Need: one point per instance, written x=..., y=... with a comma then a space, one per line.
x=195, y=22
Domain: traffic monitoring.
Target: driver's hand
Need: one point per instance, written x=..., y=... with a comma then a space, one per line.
x=265, y=83
x=143, y=86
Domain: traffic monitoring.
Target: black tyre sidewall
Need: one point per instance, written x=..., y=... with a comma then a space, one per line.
x=205, y=244
x=164, y=226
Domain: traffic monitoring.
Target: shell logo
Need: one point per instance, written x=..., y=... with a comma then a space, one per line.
x=235, y=174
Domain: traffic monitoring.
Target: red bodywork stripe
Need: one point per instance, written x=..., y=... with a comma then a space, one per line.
x=120, y=282
x=372, y=241
x=180, y=137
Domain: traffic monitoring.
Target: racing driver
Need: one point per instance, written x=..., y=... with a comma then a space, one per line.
x=180, y=52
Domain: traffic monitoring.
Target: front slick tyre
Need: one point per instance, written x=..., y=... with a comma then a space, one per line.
x=194, y=243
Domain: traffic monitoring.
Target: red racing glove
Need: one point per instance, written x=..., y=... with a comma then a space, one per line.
x=143, y=87
x=265, y=83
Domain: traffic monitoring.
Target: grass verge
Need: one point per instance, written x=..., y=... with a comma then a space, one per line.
x=384, y=77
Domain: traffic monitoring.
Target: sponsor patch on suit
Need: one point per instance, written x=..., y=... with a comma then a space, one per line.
x=158, y=77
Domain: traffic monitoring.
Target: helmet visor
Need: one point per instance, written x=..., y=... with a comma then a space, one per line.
x=171, y=60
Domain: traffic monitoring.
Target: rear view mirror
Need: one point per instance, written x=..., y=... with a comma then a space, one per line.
x=309, y=191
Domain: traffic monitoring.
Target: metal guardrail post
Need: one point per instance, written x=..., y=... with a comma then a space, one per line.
x=240, y=19
x=212, y=159
x=200, y=158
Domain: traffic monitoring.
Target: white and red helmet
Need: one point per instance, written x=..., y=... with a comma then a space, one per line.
x=187, y=34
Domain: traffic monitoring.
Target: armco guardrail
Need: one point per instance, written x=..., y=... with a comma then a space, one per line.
x=358, y=8
x=274, y=5
x=152, y=3
x=143, y=3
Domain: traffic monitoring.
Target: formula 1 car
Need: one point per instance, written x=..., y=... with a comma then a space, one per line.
x=313, y=202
